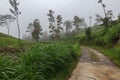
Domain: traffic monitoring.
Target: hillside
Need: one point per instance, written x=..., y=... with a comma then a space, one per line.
x=6, y=40
x=9, y=44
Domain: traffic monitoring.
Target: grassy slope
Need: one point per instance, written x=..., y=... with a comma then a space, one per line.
x=9, y=41
x=6, y=40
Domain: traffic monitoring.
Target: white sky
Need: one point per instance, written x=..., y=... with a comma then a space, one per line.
x=37, y=9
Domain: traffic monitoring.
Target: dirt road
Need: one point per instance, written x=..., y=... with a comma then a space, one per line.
x=94, y=66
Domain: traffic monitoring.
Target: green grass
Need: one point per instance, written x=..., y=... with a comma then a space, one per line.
x=45, y=61
x=9, y=45
x=9, y=41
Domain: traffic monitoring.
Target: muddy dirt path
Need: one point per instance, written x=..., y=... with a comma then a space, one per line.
x=91, y=69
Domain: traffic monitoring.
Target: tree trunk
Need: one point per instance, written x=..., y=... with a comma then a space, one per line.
x=8, y=29
x=18, y=29
x=104, y=10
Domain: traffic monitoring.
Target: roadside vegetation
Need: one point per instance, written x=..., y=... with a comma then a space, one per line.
x=44, y=61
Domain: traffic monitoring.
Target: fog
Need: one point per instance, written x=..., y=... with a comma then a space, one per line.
x=37, y=9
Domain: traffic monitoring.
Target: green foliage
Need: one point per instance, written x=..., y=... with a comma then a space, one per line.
x=88, y=32
x=102, y=38
x=54, y=29
x=15, y=11
x=77, y=49
x=37, y=31
x=112, y=36
x=7, y=70
x=6, y=41
x=45, y=61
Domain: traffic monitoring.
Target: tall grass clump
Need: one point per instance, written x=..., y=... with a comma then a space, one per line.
x=7, y=68
x=47, y=61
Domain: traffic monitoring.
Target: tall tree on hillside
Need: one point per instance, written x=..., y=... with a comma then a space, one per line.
x=90, y=18
x=98, y=19
x=58, y=28
x=30, y=28
x=103, y=5
x=68, y=26
x=35, y=29
x=108, y=14
x=52, y=23
x=78, y=22
x=88, y=32
x=106, y=21
x=15, y=11
x=2, y=21
x=119, y=16
x=54, y=29
x=5, y=20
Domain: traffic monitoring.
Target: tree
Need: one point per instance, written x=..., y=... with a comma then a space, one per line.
x=58, y=28
x=103, y=5
x=108, y=15
x=52, y=24
x=35, y=29
x=98, y=19
x=88, y=32
x=78, y=22
x=15, y=11
x=54, y=29
x=68, y=26
x=107, y=20
x=1, y=20
x=90, y=18
x=119, y=16
x=5, y=20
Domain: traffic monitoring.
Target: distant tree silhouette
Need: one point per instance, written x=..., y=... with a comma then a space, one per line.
x=58, y=28
x=108, y=14
x=52, y=24
x=54, y=29
x=30, y=28
x=15, y=11
x=88, y=32
x=90, y=18
x=5, y=20
x=68, y=26
x=119, y=16
x=35, y=29
x=107, y=20
x=77, y=23
x=98, y=19
x=103, y=5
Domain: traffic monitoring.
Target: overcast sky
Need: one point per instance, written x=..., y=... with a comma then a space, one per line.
x=37, y=9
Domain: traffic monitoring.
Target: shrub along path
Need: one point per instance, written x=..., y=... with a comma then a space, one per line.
x=94, y=66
